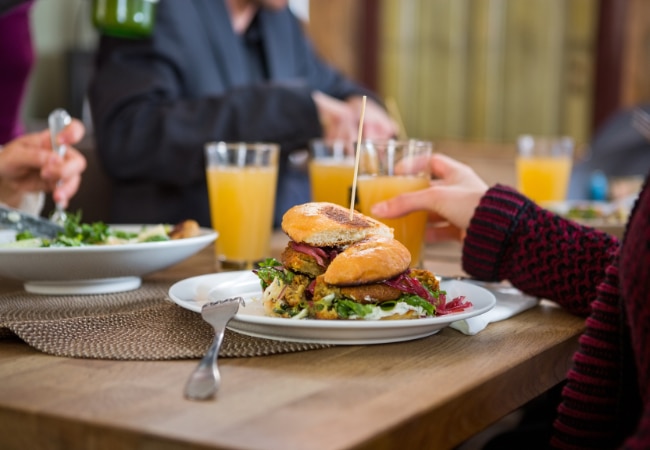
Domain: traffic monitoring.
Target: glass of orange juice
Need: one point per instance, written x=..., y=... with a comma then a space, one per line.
x=242, y=180
x=543, y=167
x=331, y=170
x=389, y=168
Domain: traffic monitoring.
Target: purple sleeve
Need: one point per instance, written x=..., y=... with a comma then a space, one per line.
x=512, y=238
x=16, y=59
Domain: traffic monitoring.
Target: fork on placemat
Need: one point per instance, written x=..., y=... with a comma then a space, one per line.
x=641, y=122
x=205, y=380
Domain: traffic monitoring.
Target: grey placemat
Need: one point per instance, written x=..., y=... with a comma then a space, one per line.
x=136, y=325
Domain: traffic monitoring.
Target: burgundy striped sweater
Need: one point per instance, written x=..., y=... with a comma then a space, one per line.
x=606, y=400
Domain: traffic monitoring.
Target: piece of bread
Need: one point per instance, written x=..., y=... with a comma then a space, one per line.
x=185, y=229
x=324, y=224
x=368, y=261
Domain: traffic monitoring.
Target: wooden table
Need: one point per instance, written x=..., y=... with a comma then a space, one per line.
x=430, y=393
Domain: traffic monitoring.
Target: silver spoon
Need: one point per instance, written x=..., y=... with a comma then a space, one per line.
x=57, y=121
x=205, y=380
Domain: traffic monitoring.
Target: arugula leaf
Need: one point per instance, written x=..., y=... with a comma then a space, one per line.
x=68, y=241
x=346, y=308
x=82, y=233
x=270, y=269
x=157, y=238
x=124, y=234
x=24, y=235
x=78, y=234
x=415, y=300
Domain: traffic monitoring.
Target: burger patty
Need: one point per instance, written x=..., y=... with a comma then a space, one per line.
x=296, y=292
x=301, y=262
x=366, y=293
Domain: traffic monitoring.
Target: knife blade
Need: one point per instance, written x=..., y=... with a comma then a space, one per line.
x=20, y=221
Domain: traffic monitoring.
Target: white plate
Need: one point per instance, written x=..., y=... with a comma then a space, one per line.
x=96, y=269
x=612, y=215
x=191, y=294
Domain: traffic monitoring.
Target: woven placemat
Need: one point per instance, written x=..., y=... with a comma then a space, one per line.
x=136, y=325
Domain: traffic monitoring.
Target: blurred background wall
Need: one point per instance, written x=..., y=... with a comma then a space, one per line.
x=481, y=70
x=491, y=69
x=65, y=40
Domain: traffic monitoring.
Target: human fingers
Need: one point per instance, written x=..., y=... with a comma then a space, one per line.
x=21, y=156
x=66, y=189
x=72, y=133
x=452, y=171
x=402, y=204
x=336, y=117
x=69, y=180
x=72, y=164
x=455, y=204
x=377, y=124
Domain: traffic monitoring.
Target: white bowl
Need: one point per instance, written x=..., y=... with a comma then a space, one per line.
x=96, y=269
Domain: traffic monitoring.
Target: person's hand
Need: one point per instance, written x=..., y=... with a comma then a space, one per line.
x=340, y=119
x=451, y=199
x=337, y=118
x=377, y=124
x=28, y=164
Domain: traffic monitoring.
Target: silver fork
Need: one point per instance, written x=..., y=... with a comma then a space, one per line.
x=57, y=121
x=641, y=122
x=205, y=380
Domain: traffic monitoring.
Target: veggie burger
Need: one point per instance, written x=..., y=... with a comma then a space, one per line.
x=341, y=267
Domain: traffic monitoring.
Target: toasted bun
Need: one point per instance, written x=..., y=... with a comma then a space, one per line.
x=368, y=261
x=324, y=224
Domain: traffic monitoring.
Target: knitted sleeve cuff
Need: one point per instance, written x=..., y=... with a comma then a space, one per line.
x=494, y=220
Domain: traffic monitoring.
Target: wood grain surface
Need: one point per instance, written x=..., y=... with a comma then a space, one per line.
x=429, y=393
x=433, y=393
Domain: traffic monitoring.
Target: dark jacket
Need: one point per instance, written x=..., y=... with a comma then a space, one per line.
x=155, y=102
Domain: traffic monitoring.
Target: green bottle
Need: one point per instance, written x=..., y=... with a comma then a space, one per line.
x=124, y=18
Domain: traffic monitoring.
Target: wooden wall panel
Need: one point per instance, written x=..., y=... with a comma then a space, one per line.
x=336, y=28
x=623, y=57
x=635, y=79
x=579, y=65
x=489, y=69
x=610, y=43
x=464, y=68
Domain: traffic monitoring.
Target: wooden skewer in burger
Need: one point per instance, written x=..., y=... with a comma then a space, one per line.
x=342, y=266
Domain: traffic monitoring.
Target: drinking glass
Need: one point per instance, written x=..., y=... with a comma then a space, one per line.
x=331, y=170
x=242, y=179
x=389, y=168
x=544, y=167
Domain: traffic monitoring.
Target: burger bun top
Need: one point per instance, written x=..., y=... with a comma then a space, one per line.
x=323, y=224
x=368, y=261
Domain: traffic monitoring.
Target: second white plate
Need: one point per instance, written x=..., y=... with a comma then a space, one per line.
x=251, y=319
x=96, y=269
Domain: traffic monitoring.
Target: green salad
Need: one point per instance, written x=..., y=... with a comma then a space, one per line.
x=78, y=234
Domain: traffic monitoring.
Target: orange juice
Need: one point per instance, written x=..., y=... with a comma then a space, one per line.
x=241, y=208
x=331, y=180
x=543, y=178
x=409, y=230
